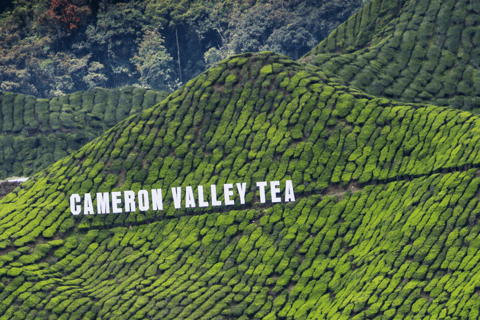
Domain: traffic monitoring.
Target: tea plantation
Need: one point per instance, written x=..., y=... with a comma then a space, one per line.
x=412, y=51
x=384, y=224
x=38, y=132
x=376, y=129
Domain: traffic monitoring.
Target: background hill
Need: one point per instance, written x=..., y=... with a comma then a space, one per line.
x=39, y=132
x=384, y=223
x=412, y=51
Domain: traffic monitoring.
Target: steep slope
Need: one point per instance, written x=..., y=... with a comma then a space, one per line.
x=39, y=132
x=412, y=51
x=384, y=221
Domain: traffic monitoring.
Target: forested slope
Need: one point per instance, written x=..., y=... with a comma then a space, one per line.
x=412, y=51
x=49, y=48
x=38, y=132
x=384, y=222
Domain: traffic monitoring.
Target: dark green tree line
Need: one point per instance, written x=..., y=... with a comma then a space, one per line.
x=54, y=47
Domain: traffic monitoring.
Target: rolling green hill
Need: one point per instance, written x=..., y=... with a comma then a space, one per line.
x=412, y=51
x=383, y=223
x=39, y=132
x=383, y=226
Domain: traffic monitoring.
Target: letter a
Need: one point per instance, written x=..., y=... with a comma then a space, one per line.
x=289, y=194
x=87, y=204
x=189, y=199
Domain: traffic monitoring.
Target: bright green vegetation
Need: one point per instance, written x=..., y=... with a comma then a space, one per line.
x=412, y=51
x=385, y=224
x=39, y=132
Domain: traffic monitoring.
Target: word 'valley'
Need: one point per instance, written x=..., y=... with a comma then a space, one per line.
x=128, y=201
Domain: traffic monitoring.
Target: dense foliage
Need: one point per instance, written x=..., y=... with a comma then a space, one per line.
x=386, y=219
x=54, y=47
x=413, y=51
x=39, y=132
x=67, y=14
x=384, y=223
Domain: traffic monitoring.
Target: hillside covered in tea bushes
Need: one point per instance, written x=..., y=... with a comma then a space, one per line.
x=384, y=224
x=39, y=132
x=412, y=51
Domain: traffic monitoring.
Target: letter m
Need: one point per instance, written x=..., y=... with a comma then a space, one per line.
x=103, y=203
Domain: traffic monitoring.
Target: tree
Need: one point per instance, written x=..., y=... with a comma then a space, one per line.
x=153, y=61
x=66, y=13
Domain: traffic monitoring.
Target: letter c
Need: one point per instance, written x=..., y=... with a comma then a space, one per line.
x=75, y=208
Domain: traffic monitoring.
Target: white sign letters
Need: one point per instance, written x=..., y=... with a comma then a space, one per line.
x=182, y=198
